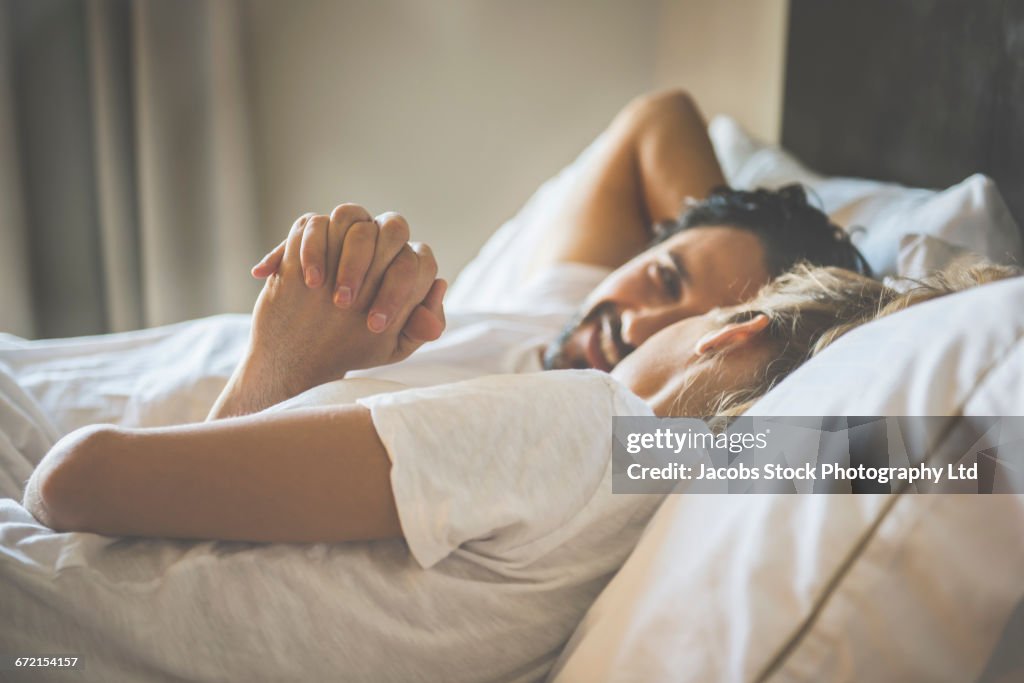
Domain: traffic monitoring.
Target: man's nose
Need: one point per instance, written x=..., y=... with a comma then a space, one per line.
x=639, y=324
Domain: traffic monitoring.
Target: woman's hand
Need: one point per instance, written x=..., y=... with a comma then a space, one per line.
x=300, y=338
x=351, y=267
x=391, y=282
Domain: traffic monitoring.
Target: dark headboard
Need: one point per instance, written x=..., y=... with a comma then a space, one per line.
x=921, y=92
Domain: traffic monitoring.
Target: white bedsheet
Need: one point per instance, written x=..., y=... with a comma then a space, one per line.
x=161, y=376
x=26, y=434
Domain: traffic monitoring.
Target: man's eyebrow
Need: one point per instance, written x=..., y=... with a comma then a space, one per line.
x=677, y=261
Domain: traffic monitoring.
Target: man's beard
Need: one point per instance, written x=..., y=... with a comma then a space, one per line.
x=554, y=354
x=555, y=357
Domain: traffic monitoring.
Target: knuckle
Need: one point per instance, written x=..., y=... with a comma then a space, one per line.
x=309, y=238
x=349, y=213
x=400, y=271
x=426, y=258
x=361, y=233
x=309, y=225
x=394, y=227
x=405, y=263
x=422, y=249
x=299, y=224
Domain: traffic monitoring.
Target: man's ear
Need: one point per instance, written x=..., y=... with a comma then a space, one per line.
x=733, y=334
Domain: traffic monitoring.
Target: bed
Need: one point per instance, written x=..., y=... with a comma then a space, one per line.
x=763, y=588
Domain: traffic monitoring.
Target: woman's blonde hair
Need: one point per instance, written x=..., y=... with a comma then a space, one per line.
x=802, y=306
x=953, y=279
x=909, y=292
x=808, y=308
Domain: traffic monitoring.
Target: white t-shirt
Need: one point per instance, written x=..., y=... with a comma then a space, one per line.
x=503, y=490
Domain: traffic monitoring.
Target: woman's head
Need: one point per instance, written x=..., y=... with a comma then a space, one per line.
x=721, y=362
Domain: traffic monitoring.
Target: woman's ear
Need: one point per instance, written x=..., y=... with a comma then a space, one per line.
x=733, y=334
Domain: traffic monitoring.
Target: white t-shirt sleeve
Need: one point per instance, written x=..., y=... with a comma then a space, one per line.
x=495, y=463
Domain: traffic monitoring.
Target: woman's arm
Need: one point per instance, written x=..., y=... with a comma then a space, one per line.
x=306, y=476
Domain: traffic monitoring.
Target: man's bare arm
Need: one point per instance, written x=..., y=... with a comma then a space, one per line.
x=654, y=155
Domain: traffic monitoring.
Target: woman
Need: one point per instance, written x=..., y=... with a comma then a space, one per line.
x=472, y=524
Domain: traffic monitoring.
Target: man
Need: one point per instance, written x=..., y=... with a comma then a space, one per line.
x=647, y=199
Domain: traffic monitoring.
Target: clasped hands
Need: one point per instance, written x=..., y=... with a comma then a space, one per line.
x=342, y=292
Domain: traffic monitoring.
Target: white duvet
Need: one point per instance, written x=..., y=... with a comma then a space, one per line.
x=161, y=376
x=49, y=388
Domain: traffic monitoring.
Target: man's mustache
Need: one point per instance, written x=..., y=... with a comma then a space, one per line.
x=554, y=355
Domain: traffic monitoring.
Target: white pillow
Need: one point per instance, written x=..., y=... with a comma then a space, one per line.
x=820, y=587
x=921, y=255
x=889, y=367
x=970, y=214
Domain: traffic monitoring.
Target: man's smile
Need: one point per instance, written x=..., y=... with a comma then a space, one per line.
x=603, y=347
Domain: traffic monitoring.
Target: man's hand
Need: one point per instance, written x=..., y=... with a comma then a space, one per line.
x=300, y=337
x=360, y=242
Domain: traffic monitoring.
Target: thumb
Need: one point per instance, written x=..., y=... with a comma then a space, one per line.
x=427, y=320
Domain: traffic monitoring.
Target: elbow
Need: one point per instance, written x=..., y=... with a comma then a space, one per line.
x=649, y=118
x=61, y=492
x=673, y=101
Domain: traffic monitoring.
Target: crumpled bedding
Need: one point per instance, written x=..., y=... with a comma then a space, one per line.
x=160, y=376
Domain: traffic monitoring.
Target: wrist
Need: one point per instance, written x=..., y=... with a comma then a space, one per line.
x=262, y=380
x=253, y=386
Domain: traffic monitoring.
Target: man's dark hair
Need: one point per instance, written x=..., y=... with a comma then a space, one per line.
x=790, y=229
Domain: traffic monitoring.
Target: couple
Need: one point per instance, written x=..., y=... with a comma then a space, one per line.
x=478, y=515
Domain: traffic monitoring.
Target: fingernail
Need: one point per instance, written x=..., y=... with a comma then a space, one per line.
x=313, y=277
x=342, y=296
x=377, y=322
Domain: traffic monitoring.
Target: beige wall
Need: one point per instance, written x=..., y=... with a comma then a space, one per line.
x=452, y=112
x=730, y=54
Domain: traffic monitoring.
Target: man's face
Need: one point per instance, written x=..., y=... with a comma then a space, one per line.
x=688, y=274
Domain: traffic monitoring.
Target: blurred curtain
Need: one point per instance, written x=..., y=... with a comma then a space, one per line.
x=127, y=196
